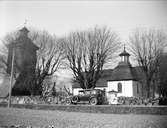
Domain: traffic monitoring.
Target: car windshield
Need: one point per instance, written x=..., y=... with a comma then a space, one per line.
x=87, y=92
x=81, y=92
x=94, y=92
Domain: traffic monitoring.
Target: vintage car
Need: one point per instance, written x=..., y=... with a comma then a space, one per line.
x=91, y=96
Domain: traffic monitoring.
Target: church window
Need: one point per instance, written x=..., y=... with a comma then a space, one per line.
x=120, y=87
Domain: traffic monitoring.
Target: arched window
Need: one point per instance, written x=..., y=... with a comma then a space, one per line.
x=120, y=87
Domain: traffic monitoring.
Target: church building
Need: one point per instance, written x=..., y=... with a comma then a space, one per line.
x=123, y=79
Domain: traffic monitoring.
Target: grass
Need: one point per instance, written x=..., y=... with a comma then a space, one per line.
x=61, y=119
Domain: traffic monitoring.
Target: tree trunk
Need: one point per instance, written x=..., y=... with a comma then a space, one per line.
x=153, y=93
x=142, y=93
x=85, y=81
x=148, y=88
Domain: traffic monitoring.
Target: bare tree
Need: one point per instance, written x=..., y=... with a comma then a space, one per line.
x=49, y=56
x=67, y=90
x=8, y=39
x=87, y=52
x=147, y=47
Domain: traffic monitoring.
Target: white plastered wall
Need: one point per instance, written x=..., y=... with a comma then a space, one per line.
x=127, y=87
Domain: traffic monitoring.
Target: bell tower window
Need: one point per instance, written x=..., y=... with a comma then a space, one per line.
x=124, y=56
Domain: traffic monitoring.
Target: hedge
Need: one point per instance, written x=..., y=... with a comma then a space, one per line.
x=61, y=100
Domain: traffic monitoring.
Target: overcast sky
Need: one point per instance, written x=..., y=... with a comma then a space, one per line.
x=61, y=17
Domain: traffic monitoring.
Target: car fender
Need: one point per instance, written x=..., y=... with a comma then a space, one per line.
x=92, y=97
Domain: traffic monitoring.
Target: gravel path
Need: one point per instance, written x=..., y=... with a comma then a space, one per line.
x=60, y=119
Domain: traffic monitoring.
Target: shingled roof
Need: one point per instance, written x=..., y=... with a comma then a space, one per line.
x=122, y=72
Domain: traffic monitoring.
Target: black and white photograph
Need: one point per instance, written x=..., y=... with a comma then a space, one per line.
x=83, y=64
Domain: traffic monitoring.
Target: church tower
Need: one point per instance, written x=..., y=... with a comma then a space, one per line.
x=124, y=56
x=24, y=62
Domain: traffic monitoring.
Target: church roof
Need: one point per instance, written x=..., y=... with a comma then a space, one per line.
x=24, y=29
x=122, y=72
x=124, y=53
x=24, y=41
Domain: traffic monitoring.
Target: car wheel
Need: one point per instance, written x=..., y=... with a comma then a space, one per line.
x=68, y=101
x=75, y=99
x=93, y=101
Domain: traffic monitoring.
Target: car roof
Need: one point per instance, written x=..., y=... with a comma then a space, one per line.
x=89, y=90
x=112, y=91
